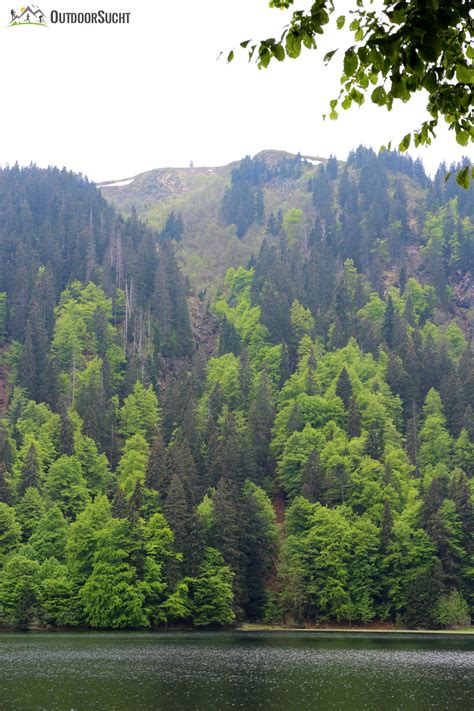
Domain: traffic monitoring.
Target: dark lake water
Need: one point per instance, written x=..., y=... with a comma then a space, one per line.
x=212, y=671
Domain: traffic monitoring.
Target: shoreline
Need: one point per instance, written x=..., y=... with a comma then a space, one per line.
x=251, y=627
x=245, y=628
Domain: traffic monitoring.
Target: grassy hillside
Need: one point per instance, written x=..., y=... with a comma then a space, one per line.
x=209, y=247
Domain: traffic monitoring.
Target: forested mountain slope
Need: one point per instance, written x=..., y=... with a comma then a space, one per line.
x=227, y=212
x=152, y=424
x=210, y=242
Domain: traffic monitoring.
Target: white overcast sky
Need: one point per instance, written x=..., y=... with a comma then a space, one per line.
x=114, y=101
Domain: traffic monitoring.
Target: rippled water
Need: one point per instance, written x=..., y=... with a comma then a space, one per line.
x=212, y=671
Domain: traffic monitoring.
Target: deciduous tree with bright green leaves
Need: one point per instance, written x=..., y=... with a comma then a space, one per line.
x=140, y=413
x=396, y=50
x=110, y=595
x=212, y=591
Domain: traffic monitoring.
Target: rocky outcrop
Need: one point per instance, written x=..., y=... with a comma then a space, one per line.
x=464, y=291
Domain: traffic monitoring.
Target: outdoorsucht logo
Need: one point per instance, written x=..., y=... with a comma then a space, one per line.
x=29, y=15
x=32, y=15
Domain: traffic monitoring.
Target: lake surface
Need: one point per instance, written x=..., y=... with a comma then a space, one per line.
x=211, y=671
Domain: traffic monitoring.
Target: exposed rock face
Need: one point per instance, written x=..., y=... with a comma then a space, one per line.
x=464, y=290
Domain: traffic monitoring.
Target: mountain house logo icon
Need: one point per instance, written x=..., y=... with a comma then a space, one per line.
x=29, y=15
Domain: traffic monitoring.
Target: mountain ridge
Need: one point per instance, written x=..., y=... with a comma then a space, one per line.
x=266, y=153
x=209, y=246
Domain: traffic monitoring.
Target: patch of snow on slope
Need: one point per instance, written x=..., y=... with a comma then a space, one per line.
x=118, y=183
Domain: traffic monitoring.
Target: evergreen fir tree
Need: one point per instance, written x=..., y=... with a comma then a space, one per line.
x=386, y=527
x=155, y=471
x=353, y=419
x=313, y=478
x=344, y=388
x=261, y=417
x=389, y=323
x=375, y=440
x=229, y=341
x=226, y=536
x=67, y=435
x=178, y=514
x=452, y=394
x=5, y=491
x=29, y=474
x=120, y=505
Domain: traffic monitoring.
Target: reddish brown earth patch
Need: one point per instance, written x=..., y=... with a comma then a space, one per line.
x=279, y=506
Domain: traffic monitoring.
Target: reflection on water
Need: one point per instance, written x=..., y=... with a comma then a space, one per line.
x=212, y=671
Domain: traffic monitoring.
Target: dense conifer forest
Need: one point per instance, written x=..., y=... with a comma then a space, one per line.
x=294, y=444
